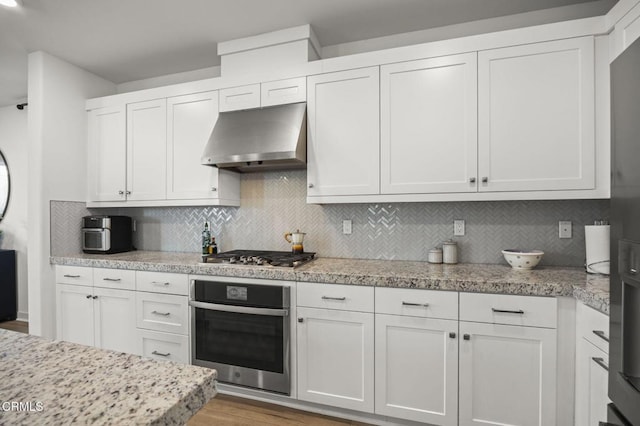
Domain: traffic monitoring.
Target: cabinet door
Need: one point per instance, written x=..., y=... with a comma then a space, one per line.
x=507, y=375
x=343, y=141
x=107, y=154
x=283, y=91
x=115, y=320
x=428, y=126
x=147, y=150
x=190, y=120
x=335, y=358
x=417, y=369
x=591, y=384
x=75, y=314
x=242, y=97
x=536, y=117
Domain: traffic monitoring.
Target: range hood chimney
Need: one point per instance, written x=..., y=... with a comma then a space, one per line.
x=259, y=139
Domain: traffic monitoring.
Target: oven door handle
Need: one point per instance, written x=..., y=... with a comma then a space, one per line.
x=240, y=309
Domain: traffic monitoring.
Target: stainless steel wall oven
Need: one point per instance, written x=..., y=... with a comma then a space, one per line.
x=243, y=331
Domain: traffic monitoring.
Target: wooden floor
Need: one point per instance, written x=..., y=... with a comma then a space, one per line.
x=21, y=326
x=231, y=411
x=228, y=410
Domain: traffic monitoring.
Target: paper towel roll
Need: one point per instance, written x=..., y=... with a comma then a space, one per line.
x=597, y=248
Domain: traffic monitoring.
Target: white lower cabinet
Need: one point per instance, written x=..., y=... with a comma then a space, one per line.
x=100, y=317
x=592, y=363
x=507, y=375
x=417, y=369
x=335, y=358
x=163, y=346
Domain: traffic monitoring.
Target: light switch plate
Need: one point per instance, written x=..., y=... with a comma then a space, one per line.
x=346, y=227
x=564, y=229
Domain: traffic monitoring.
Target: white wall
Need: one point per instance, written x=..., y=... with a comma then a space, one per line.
x=13, y=144
x=57, y=166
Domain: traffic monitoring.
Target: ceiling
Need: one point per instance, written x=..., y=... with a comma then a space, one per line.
x=130, y=40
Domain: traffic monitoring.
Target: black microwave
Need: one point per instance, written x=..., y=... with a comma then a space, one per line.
x=106, y=234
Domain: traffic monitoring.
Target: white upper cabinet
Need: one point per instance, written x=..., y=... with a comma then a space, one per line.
x=107, y=162
x=147, y=150
x=190, y=120
x=536, y=117
x=343, y=139
x=428, y=127
x=242, y=97
x=283, y=91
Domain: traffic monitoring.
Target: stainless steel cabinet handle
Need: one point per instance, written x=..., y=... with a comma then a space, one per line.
x=415, y=304
x=600, y=362
x=601, y=334
x=310, y=185
x=112, y=279
x=164, y=314
x=466, y=337
x=71, y=276
x=160, y=353
x=333, y=298
x=160, y=283
x=485, y=179
x=214, y=189
x=506, y=311
x=88, y=296
x=472, y=180
x=270, y=312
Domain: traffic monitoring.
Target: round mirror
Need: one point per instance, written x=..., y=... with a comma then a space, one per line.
x=5, y=187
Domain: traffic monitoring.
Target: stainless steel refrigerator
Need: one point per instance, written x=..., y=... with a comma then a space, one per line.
x=624, y=320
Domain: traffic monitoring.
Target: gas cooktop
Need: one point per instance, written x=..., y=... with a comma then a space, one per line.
x=259, y=258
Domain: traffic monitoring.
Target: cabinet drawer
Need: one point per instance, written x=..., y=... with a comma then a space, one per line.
x=163, y=346
x=593, y=326
x=237, y=98
x=284, y=91
x=162, y=282
x=335, y=296
x=162, y=312
x=511, y=310
x=114, y=278
x=78, y=275
x=417, y=303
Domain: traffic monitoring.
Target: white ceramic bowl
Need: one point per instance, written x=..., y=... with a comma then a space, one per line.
x=522, y=259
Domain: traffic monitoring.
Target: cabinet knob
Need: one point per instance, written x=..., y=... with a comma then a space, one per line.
x=214, y=189
x=310, y=185
x=472, y=180
x=88, y=296
x=485, y=179
x=467, y=337
x=95, y=297
x=452, y=335
x=120, y=192
x=128, y=192
x=300, y=319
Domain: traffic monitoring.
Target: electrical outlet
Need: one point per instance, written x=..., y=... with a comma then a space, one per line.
x=564, y=229
x=458, y=228
x=346, y=227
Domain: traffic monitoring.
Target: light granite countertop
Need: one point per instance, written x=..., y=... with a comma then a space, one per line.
x=593, y=290
x=63, y=383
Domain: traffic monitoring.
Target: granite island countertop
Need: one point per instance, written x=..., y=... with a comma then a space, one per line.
x=62, y=383
x=593, y=290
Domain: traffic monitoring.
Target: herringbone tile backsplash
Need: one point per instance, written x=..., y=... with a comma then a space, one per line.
x=275, y=202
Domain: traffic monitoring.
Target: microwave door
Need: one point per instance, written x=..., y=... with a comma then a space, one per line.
x=96, y=239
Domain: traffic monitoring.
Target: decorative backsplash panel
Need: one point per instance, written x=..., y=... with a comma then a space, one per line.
x=275, y=202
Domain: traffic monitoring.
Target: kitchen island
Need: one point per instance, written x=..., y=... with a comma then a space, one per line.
x=52, y=382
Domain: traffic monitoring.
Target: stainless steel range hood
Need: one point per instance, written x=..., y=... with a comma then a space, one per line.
x=259, y=139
